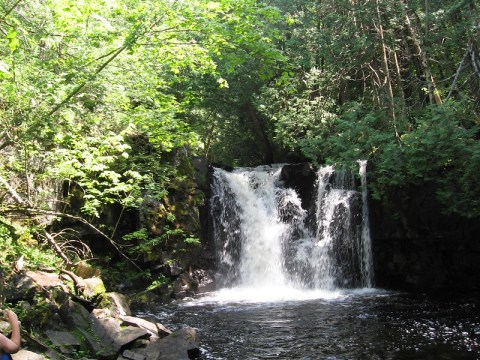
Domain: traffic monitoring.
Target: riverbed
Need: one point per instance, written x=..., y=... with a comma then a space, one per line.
x=365, y=324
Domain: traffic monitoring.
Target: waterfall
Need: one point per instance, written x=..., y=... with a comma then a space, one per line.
x=264, y=238
x=366, y=256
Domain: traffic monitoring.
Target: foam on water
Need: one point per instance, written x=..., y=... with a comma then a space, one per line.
x=275, y=295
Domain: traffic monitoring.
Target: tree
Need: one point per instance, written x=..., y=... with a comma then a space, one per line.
x=82, y=81
x=363, y=79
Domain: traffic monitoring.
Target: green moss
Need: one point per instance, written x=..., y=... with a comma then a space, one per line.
x=105, y=301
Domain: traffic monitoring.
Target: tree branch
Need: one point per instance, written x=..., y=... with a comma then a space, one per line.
x=457, y=74
x=10, y=10
x=13, y=192
x=32, y=211
x=91, y=226
x=82, y=85
x=56, y=248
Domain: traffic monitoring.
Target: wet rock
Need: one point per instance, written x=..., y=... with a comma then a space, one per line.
x=177, y=346
x=172, y=269
x=157, y=330
x=302, y=178
x=204, y=281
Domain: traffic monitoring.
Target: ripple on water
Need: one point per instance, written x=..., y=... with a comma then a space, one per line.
x=351, y=325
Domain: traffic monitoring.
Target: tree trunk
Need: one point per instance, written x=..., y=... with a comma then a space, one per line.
x=267, y=148
x=433, y=96
x=386, y=70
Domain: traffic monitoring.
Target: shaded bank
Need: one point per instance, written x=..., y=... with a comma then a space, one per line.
x=418, y=247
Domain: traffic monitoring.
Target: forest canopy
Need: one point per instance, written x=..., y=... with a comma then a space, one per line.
x=100, y=99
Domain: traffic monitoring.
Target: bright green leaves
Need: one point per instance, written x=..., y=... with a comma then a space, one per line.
x=91, y=164
x=13, y=42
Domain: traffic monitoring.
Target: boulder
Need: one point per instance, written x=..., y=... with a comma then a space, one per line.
x=92, y=287
x=86, y=271
x=302, y=178
x=116, y=303
x=107, y=332
x=98, y=336
x=21, y=287
x=157, y=330
x=65, y=341
x=27, y=355
x=131, y=355
x=204, y=281
x=179, y=345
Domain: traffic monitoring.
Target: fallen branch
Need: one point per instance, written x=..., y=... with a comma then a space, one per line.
x=13, y=192
x=26, y=206
x=56, y=247
x=79, y=284
x=475, y=59
x=26, y=203
x=91, y=226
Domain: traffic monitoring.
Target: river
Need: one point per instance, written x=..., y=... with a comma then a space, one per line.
x=297, y=282
x=356, y=324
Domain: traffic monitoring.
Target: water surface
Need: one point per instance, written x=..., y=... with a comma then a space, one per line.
x=363, y=324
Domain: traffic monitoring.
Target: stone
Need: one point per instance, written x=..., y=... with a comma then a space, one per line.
x=175, y=346
x=151, y=327
x=21, y=287
x=27, y=355
x=45, y=279
x=64, y=340
x=162, y=330
x=204, y=280
x=116, y=303
x=129, y=334
x=93, y=287
x=85, y=271
x=173, y=269
x=75, y=315
x=180, y=285
x=98, y=333
x=127, y=354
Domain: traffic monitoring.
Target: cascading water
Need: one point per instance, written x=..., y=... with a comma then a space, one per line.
x=366, y=255
x=295, y=262
x=264, y=240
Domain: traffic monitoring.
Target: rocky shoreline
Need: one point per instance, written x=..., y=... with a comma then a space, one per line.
x=66, y=316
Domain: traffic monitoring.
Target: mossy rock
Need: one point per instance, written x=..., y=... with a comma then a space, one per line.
x=93, y=287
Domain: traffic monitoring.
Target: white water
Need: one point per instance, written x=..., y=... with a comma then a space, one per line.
x=267, y=251
x=366, y=256
x=260, y=229
x=334, y=193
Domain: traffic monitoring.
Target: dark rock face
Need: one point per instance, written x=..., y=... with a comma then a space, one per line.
x=418, y=248
x=415, y=246
x=302, y=178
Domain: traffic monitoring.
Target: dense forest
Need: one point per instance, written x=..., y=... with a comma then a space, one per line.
x=104, y=104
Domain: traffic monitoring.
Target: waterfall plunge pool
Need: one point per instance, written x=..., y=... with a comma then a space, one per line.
x=285, y=262
x=369, y=324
